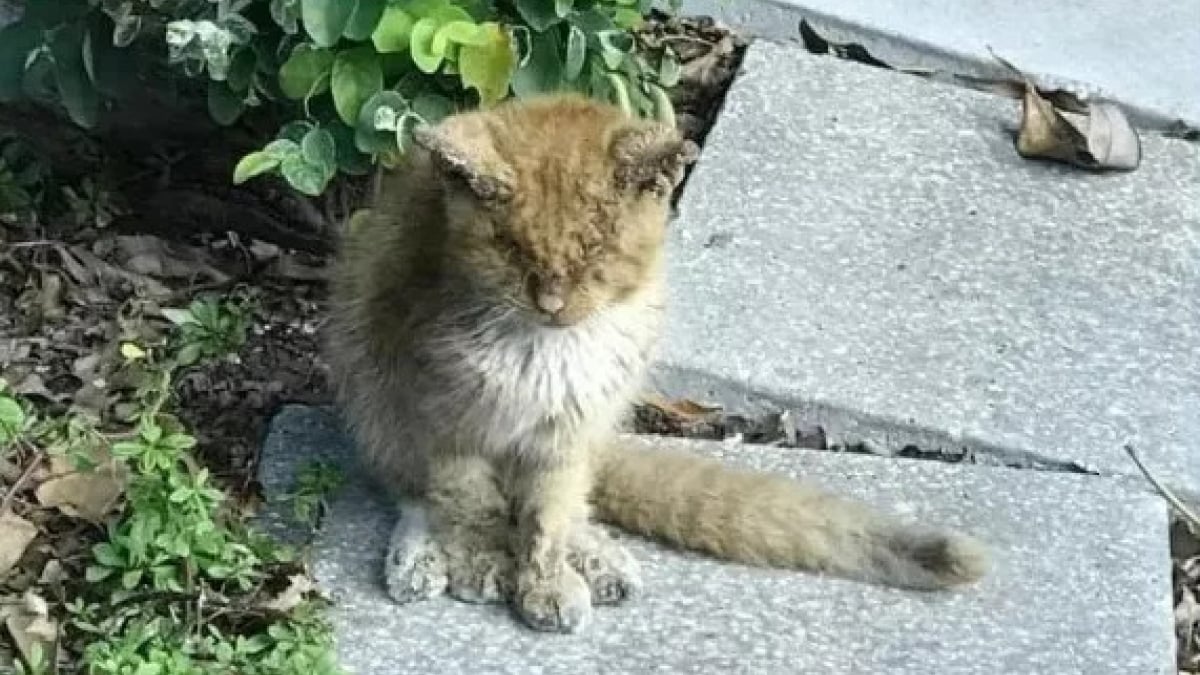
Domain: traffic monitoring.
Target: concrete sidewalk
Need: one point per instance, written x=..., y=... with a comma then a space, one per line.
x=1144, y=54
x=1080, y=583
x=868, y=250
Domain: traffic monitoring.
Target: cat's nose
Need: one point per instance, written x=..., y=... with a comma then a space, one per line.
x=549, y=296
x=550, y=303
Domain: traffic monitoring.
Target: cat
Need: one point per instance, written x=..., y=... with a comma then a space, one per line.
x=492, y=318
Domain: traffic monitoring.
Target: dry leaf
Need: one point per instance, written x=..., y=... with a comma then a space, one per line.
x=682, y=408
x=15, y=535
x=1097, y=137
x=32, y=624
x=52, y=573
x=33, y=385
x=298, y=586
x=849, y=50
x=148, y=255
x=89, y=495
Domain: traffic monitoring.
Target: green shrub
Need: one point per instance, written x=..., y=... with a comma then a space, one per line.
x=350, y=78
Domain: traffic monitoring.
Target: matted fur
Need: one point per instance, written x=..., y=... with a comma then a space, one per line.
x=491, y=322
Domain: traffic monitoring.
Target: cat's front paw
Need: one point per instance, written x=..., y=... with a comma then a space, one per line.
x=611, y=572
x=560, y=603
x=479, y=567
x=415, y=567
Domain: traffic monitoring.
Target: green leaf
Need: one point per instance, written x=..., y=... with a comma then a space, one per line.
x=307, y=178
x=457, y=32
x=433, y=108
x=539, y=14
x=106, y=554
x=488, y=68
x=392, y=33
x=292, y=131
x=349, y=159
x=592, y=22
x=180, y=441
x=421, y=45
x=563, y=7
x=364, y=19
x=356, y=78
x=113, y=71
x=97, y=573
x=664, y=111
x=614, y=46
x=241, y=69
x=224, y=104
x=11, y=414
x=319, y=148
x=306, y=72
x=131, y=579
x=620, y=92
x=669, y=69
x=16, y=41
x=253, y=164
x=367, y=137
x=576, y=51
x=627, y=18
x=441, y=11
x=543, y=71
x=75, y=88
x=324, y=20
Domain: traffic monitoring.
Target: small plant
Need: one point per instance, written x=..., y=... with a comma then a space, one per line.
x=315, y=482
x=209, y=328
x=178, y=583
x=350, y=78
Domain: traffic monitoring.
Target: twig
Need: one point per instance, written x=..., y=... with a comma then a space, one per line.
x=25, y=476
x=688, y=38
x=1162, y=490
x=33, y=243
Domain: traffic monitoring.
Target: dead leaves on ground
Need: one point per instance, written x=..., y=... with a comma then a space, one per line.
x=1059, y=126
x=34, y=632
x=16, y=534
x=90, y=494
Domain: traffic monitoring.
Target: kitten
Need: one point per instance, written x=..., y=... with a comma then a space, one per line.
x=492, y=320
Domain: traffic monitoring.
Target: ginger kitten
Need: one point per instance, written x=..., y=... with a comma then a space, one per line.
x=492, y=321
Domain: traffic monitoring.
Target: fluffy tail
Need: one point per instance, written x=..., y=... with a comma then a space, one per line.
x=768, y=520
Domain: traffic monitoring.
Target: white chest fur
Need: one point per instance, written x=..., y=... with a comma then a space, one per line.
x=518, y=386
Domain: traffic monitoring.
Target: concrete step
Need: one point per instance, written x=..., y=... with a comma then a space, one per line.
x=1080, y=583
x=868, y=250
x=1144, y=54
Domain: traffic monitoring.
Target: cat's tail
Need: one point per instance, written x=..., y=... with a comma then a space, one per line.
x=768, y=520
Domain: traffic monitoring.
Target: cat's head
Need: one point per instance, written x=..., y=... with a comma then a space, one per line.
x=556, y=205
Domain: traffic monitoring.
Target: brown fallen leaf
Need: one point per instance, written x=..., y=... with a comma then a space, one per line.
x=15, y=535
x=683, y=408
x=31, y=625
x=89, y=494
x=1096, y=137
x=152, y=256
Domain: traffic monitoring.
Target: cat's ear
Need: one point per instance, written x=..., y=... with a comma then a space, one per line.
x=463, y=156
x=651, y=158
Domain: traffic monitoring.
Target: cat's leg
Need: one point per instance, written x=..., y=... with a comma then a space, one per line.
x=471, y=522
x=611, y=572
x=550, y=501
x=415, y=567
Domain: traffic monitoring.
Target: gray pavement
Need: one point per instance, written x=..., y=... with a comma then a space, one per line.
x=868, y=250
x=1080, y=583
x=1144, y=54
